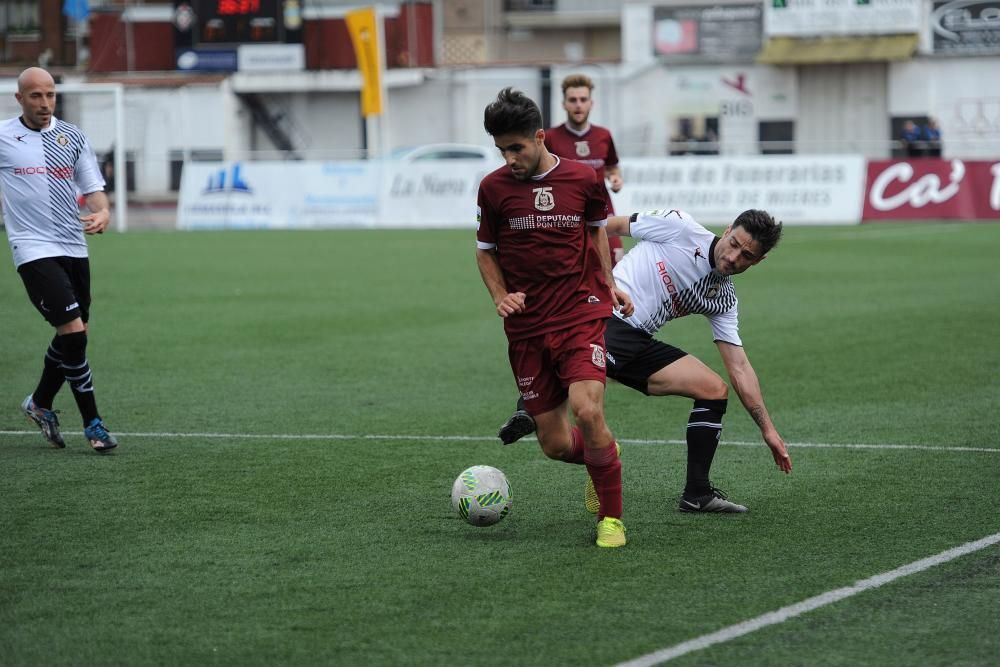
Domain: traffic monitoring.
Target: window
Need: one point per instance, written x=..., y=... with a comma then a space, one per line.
x=20, y=16
x=777, y=137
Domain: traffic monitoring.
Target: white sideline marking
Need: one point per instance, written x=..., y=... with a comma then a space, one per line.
x=491, y=438
x=799, y=608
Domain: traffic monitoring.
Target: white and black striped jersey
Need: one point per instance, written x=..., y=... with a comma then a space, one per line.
x=671, y=273
x=41, y=173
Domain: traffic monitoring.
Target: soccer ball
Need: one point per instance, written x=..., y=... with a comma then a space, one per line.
x=481, y=495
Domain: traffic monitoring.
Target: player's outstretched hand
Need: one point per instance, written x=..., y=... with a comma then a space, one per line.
x=623, y=302
x=95, y=223
x=513, y=302
x=779, y=452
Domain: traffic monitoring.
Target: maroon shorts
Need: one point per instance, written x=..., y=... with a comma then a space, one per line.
x=546, y=365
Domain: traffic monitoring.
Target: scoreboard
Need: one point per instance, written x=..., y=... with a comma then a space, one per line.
x=233, y=22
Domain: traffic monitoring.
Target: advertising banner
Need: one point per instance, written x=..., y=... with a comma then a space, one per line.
x=795, y=189
x=808, y=18
x=966, y=27
x=276, y=195
x=395, y=193
x=377, y=193
x=717, y=33
x=927, y=189
x=270, y=57
x=431, y=193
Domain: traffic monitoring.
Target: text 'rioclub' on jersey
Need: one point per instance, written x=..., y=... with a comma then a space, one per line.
x=671, y=273
x=539, y=230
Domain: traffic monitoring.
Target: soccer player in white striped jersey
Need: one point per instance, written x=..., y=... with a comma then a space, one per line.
x=680, y=268
x=43, y=163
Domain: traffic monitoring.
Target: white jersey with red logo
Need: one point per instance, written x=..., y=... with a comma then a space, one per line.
x=671, y=273
x=41, y=172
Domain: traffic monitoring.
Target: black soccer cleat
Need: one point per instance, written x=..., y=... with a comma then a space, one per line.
x=519, y=425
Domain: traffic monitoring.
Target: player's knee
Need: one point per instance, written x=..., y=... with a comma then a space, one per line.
x=713, y=389
x=72, y=327
x=73, y=346
x=590, y=416
x=554, y=448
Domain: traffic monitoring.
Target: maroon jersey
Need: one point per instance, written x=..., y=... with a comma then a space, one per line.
x=539, y=229
x=593, y=148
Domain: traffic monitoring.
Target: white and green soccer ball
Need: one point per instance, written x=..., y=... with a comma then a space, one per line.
x=481, y=495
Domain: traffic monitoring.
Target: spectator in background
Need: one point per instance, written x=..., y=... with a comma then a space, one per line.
x=108, y=169
x=912, y=139
x=931, y=136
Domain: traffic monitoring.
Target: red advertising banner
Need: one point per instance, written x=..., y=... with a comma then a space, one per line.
x=932, y=189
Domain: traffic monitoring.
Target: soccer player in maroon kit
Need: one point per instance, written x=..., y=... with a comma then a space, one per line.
x=578, y=139
x=543, y=255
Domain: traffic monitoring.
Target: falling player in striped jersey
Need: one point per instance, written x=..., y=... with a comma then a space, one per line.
x=43, y=162
x=579, y=139
x=680, y=268
x=542, y=253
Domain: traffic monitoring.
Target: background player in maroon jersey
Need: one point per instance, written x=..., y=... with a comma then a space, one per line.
x=578, y=139
x=542, y=254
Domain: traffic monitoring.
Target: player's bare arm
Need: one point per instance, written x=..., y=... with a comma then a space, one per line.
x=614, y=175
x=619, y=225
x=622, y=301
x=747, y=387
x=507, y=303
x=97, y=220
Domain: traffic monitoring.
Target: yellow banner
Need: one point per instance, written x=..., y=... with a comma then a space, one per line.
x=364, y=35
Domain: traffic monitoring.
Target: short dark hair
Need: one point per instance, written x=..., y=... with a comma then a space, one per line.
x=762, y=228
x=512, y=112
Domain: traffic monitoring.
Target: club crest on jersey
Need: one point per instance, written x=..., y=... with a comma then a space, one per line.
x=62, y=140
x=582, y=148
x=712, y=292
x=597, y=355
x=544, y=200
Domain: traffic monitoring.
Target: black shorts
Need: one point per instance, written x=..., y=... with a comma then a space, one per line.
x=633, y=355
x=59, y=287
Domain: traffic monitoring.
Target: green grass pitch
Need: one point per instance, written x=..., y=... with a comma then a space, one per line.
x=261, y=548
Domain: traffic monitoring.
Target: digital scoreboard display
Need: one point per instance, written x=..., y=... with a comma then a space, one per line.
x=233, y=7
x=238, y=21
x=227, y=22
x=238, y=35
